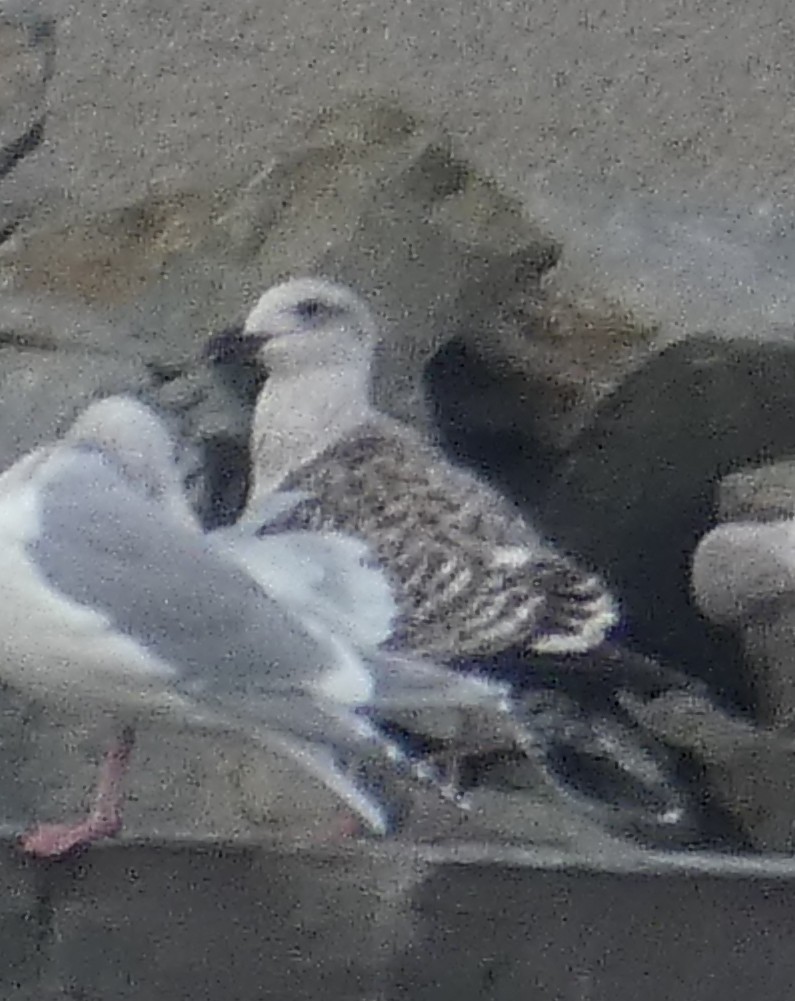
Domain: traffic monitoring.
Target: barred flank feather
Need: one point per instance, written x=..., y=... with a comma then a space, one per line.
x=471, y=577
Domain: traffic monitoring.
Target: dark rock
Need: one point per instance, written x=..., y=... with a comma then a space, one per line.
x=514, y=386
x=637, y=490
x=156, y=921
x=747, y=770
x=501, y=930
x=149, y=923
x=23, y=926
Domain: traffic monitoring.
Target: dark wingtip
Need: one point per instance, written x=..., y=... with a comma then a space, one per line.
x=231, y=345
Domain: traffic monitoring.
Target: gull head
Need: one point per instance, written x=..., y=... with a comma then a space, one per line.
x=300, y=325
x=131, y=436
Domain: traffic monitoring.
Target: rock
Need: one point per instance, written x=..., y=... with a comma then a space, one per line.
x=41, y=395
x=221, y=921
x=511, y=396
x=27, y=58
x=749, y=770
x=396, y=213
x=770, y=650
x=635, y=493
x=766, y=493
x=20, y=915
x=523, y=816
x=54, y=359
x=595, y=928
x=111, y=258
x=357, y=182
x=762, y=493
x=138, y=922
x=367, y=194
x=182, y=784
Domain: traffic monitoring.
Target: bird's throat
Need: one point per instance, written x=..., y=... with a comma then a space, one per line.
x=299, y=417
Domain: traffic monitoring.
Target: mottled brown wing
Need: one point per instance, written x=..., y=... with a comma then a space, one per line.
x=471, y=577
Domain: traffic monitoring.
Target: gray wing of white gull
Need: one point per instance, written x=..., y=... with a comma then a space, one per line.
x=111, y=594
x=333, y=583
x=327, y=578
x=740, y=568
x=174, y=595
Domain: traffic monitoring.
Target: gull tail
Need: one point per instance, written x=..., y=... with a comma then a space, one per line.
x=404, y=683
x=578, y=611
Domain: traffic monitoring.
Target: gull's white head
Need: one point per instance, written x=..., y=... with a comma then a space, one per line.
x=134, y=438
x=300, y=325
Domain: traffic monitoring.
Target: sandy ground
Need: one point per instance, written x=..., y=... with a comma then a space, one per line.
x=653, y=136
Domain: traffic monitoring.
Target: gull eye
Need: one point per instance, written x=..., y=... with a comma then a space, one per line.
x=310, y=309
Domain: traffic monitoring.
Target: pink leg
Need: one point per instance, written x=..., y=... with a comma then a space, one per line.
x=105, y=817
x=344, y=826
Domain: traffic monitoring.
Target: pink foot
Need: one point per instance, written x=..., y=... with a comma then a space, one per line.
x=346, y=825
x=105, y=818
x=57, y=840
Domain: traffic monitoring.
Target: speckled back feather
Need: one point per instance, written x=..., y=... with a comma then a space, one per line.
x=472, y=577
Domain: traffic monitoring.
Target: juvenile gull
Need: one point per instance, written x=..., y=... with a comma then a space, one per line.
x=112, y=599
x=472, y=575
x=477, y=586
